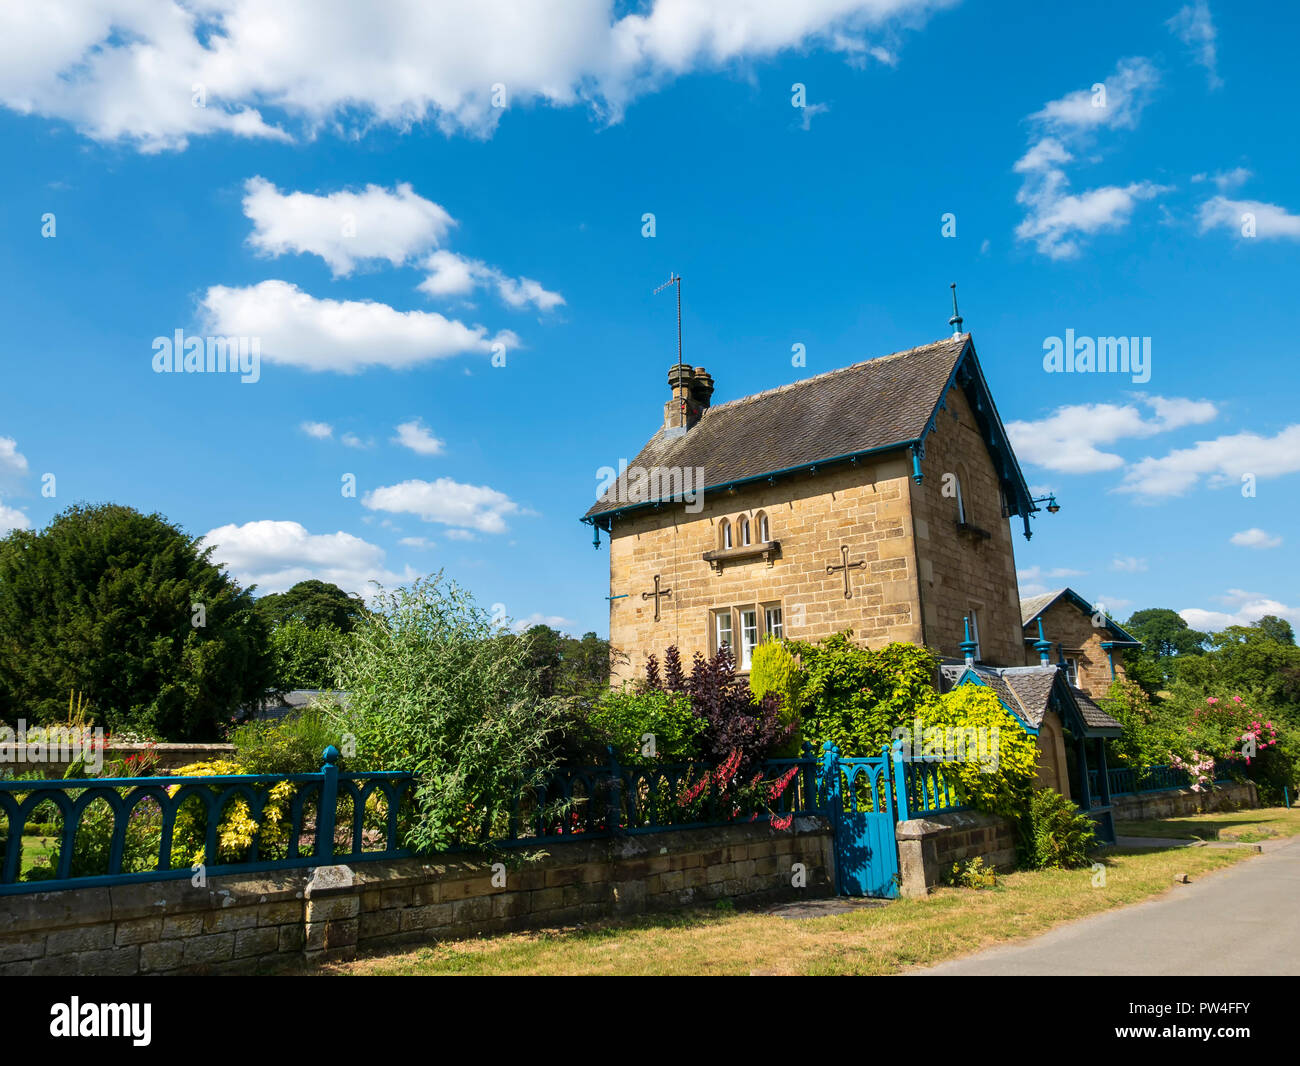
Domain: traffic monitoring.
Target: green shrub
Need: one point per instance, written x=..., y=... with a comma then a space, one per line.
x=1055, y=834
x=774, y=669
x=303, y=655
x=290, y=745
x=971, y=873
x=623, y=717
x=434, y=687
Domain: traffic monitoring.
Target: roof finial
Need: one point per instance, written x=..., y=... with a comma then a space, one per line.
x=955, y=321
x=968, y=646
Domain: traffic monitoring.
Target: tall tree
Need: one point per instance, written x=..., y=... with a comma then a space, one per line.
x=313, y=603
x=1166, y=640
x=125, y=609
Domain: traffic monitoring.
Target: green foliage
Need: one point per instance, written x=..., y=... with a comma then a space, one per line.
x=855, y=696
x=290, y=745
x=567, y=666
x=102, y=601
x=622, y=717
x=1054, y=834
x=774, y=669
x=1153, y=730
x=434, y=688
x=971, y=873
x=303, y=656
x=313, y=604
x=997, y=785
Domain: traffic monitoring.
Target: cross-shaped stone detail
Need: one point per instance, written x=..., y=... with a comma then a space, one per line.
x=846, y=566
x=658, y=592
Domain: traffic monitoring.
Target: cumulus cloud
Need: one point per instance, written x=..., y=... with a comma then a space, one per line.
x=475, y=507
x=1055, y=218
x=344, y=228
x=450, y=274
x=12, y=461
x=1242, y=608
x=1249, y=218
x=1255, y=538
x=555, y=621
x=135, y=71
x=346, y=336
x=319, y=430
x=11, y=518
x=1194, y=26
x=275, y=555
x=1223, y=461
x=1128, y=564
x=1069, y=439
x=415, y=435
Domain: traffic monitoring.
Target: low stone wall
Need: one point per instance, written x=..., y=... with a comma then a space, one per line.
x=331, y=912
x=1179, y=802
x=927, y=847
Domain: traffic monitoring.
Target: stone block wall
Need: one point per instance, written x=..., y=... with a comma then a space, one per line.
x=1179, y=802
x=236, y=924
x=927, y=847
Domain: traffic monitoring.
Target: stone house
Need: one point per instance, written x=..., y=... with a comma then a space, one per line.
x=877, y=498
x=1080, y=637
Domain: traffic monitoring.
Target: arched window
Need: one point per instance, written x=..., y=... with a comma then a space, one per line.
x=764, y=534
x=961, y=504
x=724, y=533
x=743, y=522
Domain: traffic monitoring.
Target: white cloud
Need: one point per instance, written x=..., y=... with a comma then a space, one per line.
x=1128, y=564
x=1269, y=220
x=1068, y=440
x=1036, y=573
x=1056, y=218
x=460, y=534
x=1224, y=179
x=1222, y=461
x=555, y=621
x=319, y=430
x=417, y=542
x=346, y=336
x=1255, y=538
x=1243, y=609
x=455, y=275
x=1194, y=26
x=351, y=440
x=1111, y=606
x=446, y=501
x=416, y=436
x=11, y=518
x=11, y=459
x=277, y=555
x=344, y=228
x=127, y=69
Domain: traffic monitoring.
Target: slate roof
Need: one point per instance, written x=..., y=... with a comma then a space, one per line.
x=1036, y=605
x=871, y=405
x=1027, y=691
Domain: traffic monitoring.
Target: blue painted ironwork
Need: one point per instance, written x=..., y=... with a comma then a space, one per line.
x=860, y=801
x=929, y=788
x=148, y=808
x=1132, y=780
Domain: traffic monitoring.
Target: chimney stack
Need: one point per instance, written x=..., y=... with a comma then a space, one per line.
x=692, y=390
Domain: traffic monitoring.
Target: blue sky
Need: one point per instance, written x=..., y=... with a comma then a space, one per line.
x=350, y=193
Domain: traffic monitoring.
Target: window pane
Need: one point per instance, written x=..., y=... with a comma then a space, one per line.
x=762, y=530
x=723, y=620
x=744, y=531
x=774, y=628
x=726, y=534
x=748, y=636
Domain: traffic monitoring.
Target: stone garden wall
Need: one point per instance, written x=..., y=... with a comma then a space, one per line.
x=1178, y=802
x=239, y=923
x=927, y=847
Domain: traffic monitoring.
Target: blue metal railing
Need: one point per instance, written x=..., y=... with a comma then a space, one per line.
x=597, y=801
x=165, y=828
x=929, y=789
x=1131, y=780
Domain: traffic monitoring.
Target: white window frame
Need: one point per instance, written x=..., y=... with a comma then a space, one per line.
x=747, y=646
x=1072, y=670
x=961, y=504
x=764, y=533
x=775, y=631
x=975, y=632
x=743, y=523
x=726, y=533
x=722, y=620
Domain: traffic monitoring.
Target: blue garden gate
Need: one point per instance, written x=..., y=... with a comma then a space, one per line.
x=860, y=801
